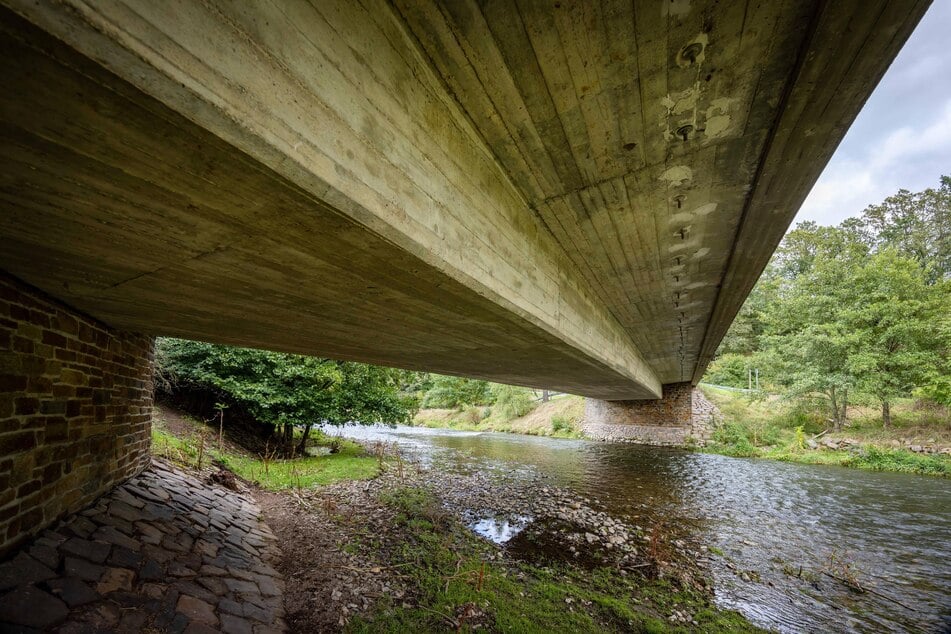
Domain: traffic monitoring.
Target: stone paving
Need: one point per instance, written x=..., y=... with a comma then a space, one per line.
x=164, y=552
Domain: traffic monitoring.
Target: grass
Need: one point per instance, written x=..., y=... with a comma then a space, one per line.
x=870, y=458
x=462, y=588
x=771, y=428
x=558, y=418
x=171, y=447
x=351, y=462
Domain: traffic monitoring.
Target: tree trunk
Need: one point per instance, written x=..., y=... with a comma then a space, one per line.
x=287, y=440
x=302, y=447
x=221, y=427
x=545, y=396
x=835, y=410
x=886, y=414
x=845, y=406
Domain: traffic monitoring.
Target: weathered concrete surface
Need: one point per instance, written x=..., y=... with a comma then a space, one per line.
x=573, y=195
x=164, y=552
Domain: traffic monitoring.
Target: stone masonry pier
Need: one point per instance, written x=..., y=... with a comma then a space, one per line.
x=163, y=552
x=683, y=416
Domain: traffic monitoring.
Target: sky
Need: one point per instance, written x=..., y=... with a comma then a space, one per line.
x=902, y=137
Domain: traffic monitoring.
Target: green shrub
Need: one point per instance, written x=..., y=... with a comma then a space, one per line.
x=560, y=423
x=735, y=440
x=876, y=459
x=472, y=414
x=511, y=401
x=730, y=370
x=449, y=392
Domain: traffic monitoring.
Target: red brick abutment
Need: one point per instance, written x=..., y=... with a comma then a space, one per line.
x=75, y=410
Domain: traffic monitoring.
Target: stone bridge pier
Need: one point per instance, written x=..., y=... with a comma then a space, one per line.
x=682, y=416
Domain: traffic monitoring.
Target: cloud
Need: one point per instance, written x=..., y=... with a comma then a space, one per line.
x=911, y=157
x=902, y=137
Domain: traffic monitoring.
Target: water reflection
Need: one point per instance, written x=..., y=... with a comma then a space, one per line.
x=500, y=530
x=769, y=519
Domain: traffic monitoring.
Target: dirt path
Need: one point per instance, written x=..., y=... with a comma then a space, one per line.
x=326, y=584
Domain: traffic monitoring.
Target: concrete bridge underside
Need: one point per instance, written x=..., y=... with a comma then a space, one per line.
x=572, y=195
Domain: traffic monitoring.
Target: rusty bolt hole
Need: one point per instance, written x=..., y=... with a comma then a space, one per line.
x=630, y=146
x=691, y=52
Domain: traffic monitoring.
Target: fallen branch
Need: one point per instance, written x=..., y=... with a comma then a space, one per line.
x=859, y=588
x=453, y=622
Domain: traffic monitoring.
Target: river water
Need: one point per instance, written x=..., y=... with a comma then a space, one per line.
x=769, y=519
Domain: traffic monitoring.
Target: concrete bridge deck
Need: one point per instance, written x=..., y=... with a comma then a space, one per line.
x=571, y=195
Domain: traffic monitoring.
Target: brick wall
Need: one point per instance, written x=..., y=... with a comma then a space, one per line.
x=675, y=419
x=75, y=409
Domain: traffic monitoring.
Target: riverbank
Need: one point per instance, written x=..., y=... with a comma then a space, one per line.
x=558, y=418
x=917, y=442
x=401, y=550
x=398, y=553
x=186, y=441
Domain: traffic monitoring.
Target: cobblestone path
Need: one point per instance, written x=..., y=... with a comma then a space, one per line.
x=164, y=552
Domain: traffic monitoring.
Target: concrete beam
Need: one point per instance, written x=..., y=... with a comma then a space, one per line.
x=577, y=195
x=290, y=176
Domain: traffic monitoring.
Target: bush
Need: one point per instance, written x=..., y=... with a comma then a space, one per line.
x=560, y=423
x=730, y=370
x=938, y=391
x=735, y=438
x=472, y=414
x=876, y=459
x=511, y=401
x=450, y=392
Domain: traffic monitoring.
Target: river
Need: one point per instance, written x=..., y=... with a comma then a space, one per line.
x=770, y=520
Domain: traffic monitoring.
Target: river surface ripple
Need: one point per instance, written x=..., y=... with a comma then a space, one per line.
x=770, y=519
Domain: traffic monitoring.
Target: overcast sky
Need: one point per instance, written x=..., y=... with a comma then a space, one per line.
x=902, y=137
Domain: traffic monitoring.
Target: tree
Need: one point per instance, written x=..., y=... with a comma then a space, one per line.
x=456, y=391
x=732, y=370
x=917, y=225
x=286, y=390
x=865, y=306
x=892, y=323
x=512, y=401
x=807, y=346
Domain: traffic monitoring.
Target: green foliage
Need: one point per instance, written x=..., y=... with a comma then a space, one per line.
x=734, y=439
x=853, y=312
x=511, y=401
x=282, y=388
x=560, y=424
x=938, y=390
x=800, y=437
x=917, y=225
x=876, y=459
x=449, y=392
x=731, y=370
x=350, y=462
x=779, y=430
x=892, y=327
